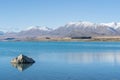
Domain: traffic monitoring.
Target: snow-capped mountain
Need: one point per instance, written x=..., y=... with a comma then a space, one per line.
x=72, y=29
x=35, y=31
x=87, y=29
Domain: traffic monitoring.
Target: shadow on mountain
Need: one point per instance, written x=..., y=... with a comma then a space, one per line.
x=21, y=67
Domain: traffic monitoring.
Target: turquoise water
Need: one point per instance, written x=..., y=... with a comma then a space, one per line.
x=61, y=61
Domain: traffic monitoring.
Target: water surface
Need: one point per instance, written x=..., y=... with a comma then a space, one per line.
x=61, y=61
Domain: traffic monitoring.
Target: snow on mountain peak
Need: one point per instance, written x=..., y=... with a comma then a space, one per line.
x=109, y=24
x=112, y=24
x=39, y=28
x=84, y=23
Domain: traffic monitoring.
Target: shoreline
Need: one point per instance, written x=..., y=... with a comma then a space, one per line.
x=65, y=40
x=62, y=39
x=93, y=39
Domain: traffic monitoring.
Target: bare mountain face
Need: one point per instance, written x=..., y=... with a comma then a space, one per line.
x=73, y=29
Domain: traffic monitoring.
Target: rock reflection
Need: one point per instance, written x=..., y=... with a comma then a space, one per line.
x=21, y=67
x=83, y=57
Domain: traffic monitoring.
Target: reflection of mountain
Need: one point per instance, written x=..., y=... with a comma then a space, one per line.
x=98, y=58
x=21, y=67
x=83, y=57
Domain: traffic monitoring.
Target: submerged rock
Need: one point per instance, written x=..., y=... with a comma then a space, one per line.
x=22, y=59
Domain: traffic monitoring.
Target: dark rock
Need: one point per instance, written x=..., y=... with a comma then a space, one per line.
x=22, y=59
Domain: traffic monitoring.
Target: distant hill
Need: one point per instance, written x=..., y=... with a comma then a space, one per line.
x=35, y=31
x=1, y=33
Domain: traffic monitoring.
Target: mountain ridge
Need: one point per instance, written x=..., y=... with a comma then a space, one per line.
x=72, y=29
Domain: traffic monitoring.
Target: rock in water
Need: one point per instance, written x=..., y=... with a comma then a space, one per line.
x=22, y=59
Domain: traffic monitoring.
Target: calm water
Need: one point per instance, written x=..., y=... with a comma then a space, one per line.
x=61, y=61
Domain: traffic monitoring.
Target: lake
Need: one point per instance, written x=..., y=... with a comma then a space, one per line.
x=61, y=61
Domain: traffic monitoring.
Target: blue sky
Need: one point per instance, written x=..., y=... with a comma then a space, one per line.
x=16, y=15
